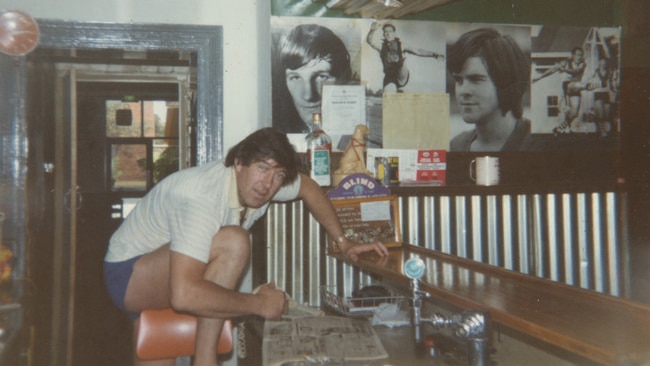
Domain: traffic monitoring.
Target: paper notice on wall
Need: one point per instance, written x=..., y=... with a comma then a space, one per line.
x=416, y=121
x=343, y=108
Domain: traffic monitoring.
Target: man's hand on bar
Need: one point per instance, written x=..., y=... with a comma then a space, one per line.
x=352, y=249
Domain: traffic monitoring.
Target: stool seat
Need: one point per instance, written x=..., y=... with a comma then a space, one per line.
x=164, y=333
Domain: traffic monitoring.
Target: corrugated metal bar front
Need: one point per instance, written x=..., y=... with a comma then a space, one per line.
x=566, y=237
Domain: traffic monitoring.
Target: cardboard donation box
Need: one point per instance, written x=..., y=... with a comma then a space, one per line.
x=369, y=219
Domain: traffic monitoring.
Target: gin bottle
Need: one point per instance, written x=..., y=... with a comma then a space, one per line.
x=319, y=151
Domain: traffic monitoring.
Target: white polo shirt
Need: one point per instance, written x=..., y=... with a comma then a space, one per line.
x=187, y=209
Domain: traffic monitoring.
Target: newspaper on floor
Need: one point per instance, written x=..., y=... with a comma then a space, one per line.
x=319, y=340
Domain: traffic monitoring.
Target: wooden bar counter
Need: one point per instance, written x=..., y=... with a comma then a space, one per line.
x=602, y=328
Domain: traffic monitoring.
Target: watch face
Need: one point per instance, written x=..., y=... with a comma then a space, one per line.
x=19, y=33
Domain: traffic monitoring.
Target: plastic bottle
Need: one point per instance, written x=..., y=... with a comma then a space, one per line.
x=319, y=151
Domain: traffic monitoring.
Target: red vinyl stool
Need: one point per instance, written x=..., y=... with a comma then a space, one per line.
x=164, y=333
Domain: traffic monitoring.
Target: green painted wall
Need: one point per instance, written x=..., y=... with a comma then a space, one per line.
x=559, y=12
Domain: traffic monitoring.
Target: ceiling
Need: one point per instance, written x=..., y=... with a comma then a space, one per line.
x=378, y=9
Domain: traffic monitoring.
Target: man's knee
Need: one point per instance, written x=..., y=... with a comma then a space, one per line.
x=232, y=241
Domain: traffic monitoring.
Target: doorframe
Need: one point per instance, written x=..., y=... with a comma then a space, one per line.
x=204, y=41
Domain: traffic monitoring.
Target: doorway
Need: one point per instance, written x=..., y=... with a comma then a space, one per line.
x=127, y=140
x=105, y=125
x=118, y=130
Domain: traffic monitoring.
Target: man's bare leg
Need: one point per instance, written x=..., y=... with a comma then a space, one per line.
x=149, y=288
x=402, y=76
x=229, y=257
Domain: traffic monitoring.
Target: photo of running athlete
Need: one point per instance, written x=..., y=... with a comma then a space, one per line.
x=393, y=50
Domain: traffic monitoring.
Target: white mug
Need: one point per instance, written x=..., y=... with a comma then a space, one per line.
x=487, y=170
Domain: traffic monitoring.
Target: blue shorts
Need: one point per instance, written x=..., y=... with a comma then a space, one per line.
x=116, y=278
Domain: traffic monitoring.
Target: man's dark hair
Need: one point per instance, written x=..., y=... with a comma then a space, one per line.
x=263, y=144
x=507, y=65
x=388, y=25
x=308, y=42
x=576, y=49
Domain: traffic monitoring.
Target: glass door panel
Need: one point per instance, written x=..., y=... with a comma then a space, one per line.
x=128, y=167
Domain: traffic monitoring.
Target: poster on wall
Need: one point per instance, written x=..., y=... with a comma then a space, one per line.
x=488, y=76
x=576, y=79
x=510, y=87
x=308, y=53
x=404, y=57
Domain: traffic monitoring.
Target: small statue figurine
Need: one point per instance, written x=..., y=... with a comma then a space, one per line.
x=353, y=159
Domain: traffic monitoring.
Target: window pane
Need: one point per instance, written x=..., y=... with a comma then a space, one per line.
x=553, y=112
x=122, y=123
x=166, y=118
x=165, y=158
x=128, y=167
x=160, y=119
x=151, y=119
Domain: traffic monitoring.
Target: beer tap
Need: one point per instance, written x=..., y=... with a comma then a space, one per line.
x=414, y=269
x=470, y=325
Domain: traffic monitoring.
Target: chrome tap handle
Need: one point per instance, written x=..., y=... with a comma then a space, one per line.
x=473, y=324
x=440, y=321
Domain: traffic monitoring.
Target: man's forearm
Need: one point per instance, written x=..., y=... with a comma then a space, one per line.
x=323, y=210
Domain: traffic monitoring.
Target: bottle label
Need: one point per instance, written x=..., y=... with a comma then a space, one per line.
x=320, y=166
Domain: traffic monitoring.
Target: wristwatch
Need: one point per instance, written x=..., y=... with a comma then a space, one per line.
x=336, y=243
